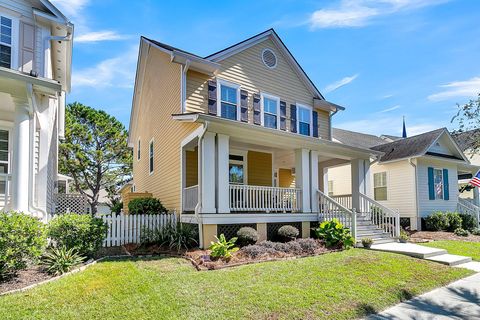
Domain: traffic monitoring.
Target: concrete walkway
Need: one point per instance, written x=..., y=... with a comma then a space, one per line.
x=459, y=300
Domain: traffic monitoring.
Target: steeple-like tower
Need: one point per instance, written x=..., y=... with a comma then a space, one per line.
x=404, y=133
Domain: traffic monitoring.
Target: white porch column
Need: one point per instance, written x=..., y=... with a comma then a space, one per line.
x=223, y=188
x=207, y=155
x=302, y=177
x=21, y=159
x=360, y=181
x=476, y=197
x=314, y=180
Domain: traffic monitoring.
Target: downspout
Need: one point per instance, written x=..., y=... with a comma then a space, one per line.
x=200, y=191
x=416, y=193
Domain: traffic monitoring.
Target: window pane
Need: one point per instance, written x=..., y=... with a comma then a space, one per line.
x=303, y=115
x=380, y=194
x=7, y=31
x=270, y=121
x=2, y=189
x=228, y=94
x=229, y=111
x=4, y=135
x=5, y=56
x=3, y=168
x=236, y=173
x=304, y=128
x=6, y=22
x=269, y=105
x=380, y=179
x=438, y=182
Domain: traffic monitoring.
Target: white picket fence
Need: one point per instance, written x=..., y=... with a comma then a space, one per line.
x=128, y=228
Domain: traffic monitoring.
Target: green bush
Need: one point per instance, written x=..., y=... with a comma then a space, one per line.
x=404, y=236
x=454, y=221
x=335, y=234
x=146, y=206
x=461, y=232
x=175, y=236
x=476, y=231
x=117, y=207
x=247, y=236
x=223, y=249
x=288, y=232
x=367, y=242
x=58, y=261
x=81, y=232
x=469, y=222
x=437, y=221
x=22, y=240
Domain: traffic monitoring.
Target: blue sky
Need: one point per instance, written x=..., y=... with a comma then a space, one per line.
x=380, y=59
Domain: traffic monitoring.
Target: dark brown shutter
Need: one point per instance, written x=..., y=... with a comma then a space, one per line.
x=244, y=105
x=212, y=97
x=315, y=123
x=283, y=115
x=256, y=109
x=293, y=118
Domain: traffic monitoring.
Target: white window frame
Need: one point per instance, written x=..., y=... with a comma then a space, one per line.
x=262, y=108
x=15, y=40
x=233, y=85
x=435, y=185
x=139, y=151
x=9, y=150
x=244, y=154
x=151, y=156
x=298, y=118
x=385, y=186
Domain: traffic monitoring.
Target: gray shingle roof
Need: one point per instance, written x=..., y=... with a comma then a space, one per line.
x=356, y=139
x=466, y=140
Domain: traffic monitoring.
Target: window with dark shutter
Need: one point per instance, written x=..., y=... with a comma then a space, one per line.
x=283, y=115
x=315, y=124
x=244, y=105
x=256, y=109
x=212, y=97
x=293, y=118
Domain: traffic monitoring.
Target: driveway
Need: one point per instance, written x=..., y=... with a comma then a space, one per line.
x=459, y=300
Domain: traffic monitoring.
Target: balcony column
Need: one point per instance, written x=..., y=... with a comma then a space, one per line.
x=223, y=186
x=314, y=180
x=360, y=181
x=21, y=159
x=207, y=160
x=302, y=177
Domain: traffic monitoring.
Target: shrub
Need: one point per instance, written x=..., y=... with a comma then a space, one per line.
x=404, y=236
x=335, y=234
x=288, y=232
x=437, y=221
x=83, y=233
x=22, y=239
x=146, y=206
x=175, y=236
x=256, y=250
x=117, y=207
x=461, y=232
x=222, y=248
x=454, y=221
x=60, y=260
x=469, y=222
x=476, y=231
x=367, y=242
x=247, y=236
x=308, y=245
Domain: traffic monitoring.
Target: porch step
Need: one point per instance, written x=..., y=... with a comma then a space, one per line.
x=450, y=259
x=410, y=249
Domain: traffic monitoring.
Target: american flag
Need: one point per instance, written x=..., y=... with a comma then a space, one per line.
x=476, y=180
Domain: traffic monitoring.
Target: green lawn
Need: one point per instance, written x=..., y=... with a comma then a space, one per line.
x=463, y=248
x=340, y=285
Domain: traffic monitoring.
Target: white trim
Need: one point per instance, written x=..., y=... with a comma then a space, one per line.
x=14, y=45
x=276, y=58
x=244, y=154
x=234, y=218
x=151, y=156
x=304, y=106
x=262, y=109
x=233, y=85
x=9, y=147
x=443, y=184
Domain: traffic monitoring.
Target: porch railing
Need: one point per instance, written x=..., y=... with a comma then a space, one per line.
x=5, y=194
x=466, y=207
x=381, y=216
x=329, y=209
x=267, y=199
x=190, y=198
x=344, y=199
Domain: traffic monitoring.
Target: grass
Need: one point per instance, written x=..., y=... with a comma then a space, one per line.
x=463, y=248
x=341, y=285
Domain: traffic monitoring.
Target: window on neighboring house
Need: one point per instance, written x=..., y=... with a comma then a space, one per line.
x=4, y=134
x=304, y=120
x=330, y=188
x=270, y=112
x=150, y=163
x=5, y=42
x=380, y=186
x=438, y=183
x=138, y=150
x=228, y=101
x=236, y=168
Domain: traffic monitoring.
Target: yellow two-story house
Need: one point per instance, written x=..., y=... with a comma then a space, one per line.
x=240, y=137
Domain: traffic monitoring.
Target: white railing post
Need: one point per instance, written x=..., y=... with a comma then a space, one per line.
x=353, y=230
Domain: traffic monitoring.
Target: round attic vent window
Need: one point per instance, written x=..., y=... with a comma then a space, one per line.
x=269, y=58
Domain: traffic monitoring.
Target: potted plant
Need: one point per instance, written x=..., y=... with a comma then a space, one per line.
x=403, y=238
x=367, y=242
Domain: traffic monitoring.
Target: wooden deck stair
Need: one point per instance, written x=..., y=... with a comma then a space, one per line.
x=366, y=229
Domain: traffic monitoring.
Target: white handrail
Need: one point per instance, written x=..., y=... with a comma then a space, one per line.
x=190, y=198
x=465, y=206
x=380, y=215
x=330, y=209
x=267, y=199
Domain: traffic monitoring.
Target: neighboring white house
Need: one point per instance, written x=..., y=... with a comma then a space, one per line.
x=416, y=175
x=465, y=141
x=35, y=71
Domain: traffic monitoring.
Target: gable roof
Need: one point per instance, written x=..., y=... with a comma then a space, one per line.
x=467, y=139
x=357, y=139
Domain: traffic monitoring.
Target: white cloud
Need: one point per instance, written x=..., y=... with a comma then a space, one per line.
x=390, y=109
x=358, y=13
x=71, y=8
x=340, y=83
x=114, y=72
x=99, y=36
x=467, y=88
x=386, y=125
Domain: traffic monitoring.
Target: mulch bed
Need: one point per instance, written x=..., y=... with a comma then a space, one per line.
x=24, y=278
x=427, y=236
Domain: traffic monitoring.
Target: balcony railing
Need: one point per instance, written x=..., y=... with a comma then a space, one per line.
x=5, y=194
x=264, y=199
x=190, y=198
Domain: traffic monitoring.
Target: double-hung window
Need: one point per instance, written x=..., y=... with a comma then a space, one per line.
x=438, y=183
x=5, y=42
x=304, y=120
x=270, y=111
x=236, y=168
x=150, y=161
x=380, y=186
x=4, y=164
x=228, y=101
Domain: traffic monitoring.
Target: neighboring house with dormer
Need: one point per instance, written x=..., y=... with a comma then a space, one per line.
x=35, y=71
x=416, y=175
x=241, y=137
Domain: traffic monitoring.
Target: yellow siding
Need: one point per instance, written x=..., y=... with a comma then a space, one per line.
x=129, y=196
x=247, y=69
x=159, y=98
x=285, y=178
x=342, y=180
x=191, y=168
x=259, y=168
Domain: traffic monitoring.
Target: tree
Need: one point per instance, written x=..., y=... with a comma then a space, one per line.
x=95, y=152
x=468, y=119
